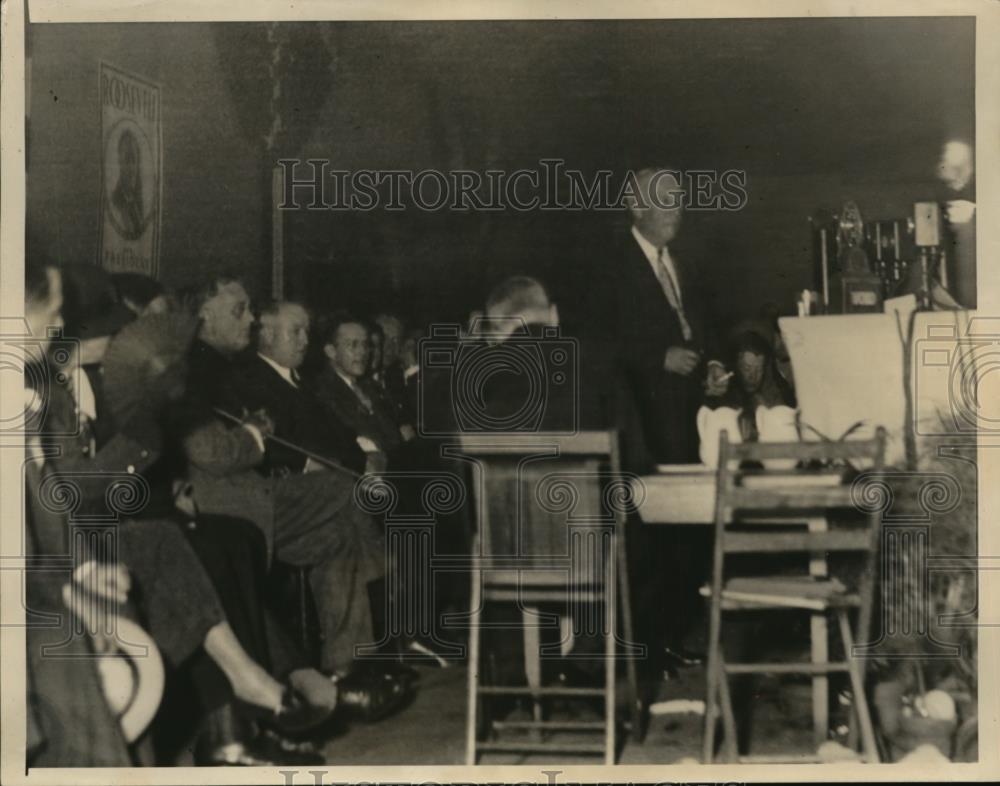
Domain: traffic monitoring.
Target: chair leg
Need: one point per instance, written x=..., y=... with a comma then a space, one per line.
x=712, y=680
x=820, y=653
x=856, y=672
x=533, y=662
x=473, y=676
x=609, y=679
x=728, y=716
x=635, y=705
x=819, y=635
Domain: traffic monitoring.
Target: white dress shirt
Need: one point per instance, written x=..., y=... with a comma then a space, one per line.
x=666, y=274
x=286, y=373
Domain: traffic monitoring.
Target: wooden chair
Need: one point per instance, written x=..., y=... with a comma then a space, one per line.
x=770, y=512
x=551, y=528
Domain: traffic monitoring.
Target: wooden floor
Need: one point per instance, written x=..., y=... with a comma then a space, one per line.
x=432, y=729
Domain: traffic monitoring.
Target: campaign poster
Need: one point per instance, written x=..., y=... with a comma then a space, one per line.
x=131, y=172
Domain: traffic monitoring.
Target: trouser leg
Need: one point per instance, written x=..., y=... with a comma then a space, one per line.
x=318, y=526
x=171, y=588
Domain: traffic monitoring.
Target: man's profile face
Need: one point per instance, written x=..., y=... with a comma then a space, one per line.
x=285, y=336
x=750, y=368
x=227, y=318
x=658, y=216
x=350, y=349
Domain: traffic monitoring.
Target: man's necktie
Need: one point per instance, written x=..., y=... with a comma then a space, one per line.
x=671, y=290
x=365, y=401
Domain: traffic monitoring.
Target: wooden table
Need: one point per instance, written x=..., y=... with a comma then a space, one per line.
x=677, y=494
x=684, y=494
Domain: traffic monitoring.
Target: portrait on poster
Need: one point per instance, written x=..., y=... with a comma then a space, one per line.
x=131, y=171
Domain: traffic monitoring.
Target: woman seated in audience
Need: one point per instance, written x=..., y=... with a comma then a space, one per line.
x=758, y=383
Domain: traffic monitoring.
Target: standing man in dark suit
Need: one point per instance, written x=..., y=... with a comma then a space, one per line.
x=664, y=352
x=666, y=337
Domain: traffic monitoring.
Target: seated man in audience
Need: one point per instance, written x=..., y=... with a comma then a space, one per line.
x=350, y=398
x=390, y=377
x=165, y=547
x=375, y=373
x=409, y=355
x=309, y=518
x=269, y=380
x=519, y=309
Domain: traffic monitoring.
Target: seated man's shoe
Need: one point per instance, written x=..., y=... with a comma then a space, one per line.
x=679, y=658
x=304, y=747
x=370, y=695
x=295, y=716
x=391, y=668
x=265, y=750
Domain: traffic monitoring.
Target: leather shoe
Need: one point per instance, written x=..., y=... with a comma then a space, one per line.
x=265, y=750
x=295, y=716
x=680, y=658
x=392, y=669
x=370, y=696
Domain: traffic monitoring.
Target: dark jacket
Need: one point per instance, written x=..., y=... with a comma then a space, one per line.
x=379, y=425
x=298, y=417
x=644, y=327
x=93, y=455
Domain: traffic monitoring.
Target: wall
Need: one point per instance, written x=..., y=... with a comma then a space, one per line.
x=212, y=207
x=417, y=95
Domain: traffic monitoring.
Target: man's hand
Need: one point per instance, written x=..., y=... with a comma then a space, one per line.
x=407, y=432
x=312, y=465
x=717, y=379
x=681, y=361
x=111, y=582
x=261, y=421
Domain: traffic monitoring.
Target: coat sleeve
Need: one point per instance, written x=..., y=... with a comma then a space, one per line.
x=219, y=450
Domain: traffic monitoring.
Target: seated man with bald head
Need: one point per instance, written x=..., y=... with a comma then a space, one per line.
x=269, y=380
x=535, y=381
x=532, y=384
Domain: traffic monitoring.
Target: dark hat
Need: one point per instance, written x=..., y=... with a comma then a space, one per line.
x=137, y=287
x=91, y=308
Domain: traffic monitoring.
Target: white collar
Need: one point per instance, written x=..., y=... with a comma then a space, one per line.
x=83, y=393
x=347, y=380
x=285, y=372
x=653, y=254
x=409, y=371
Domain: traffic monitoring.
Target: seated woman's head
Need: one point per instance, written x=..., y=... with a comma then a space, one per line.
x=753, y=356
